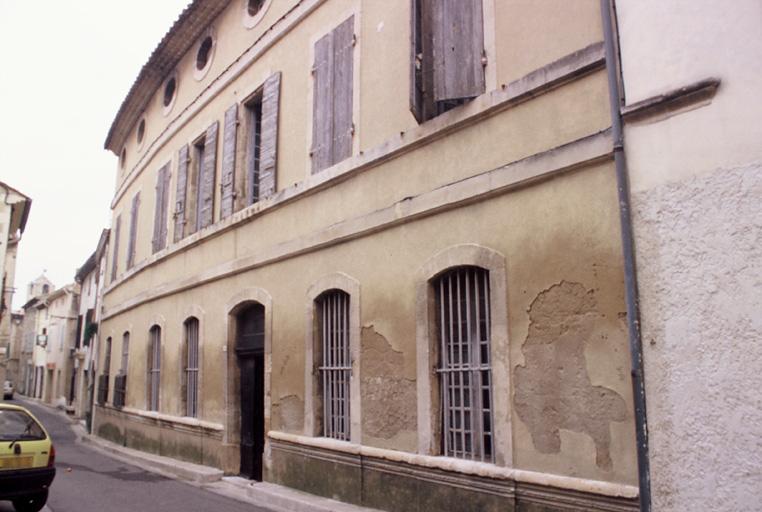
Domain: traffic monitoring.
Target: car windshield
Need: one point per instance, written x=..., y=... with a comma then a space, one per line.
x=18, y=425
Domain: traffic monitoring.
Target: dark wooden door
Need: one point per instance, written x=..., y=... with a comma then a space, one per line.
x=251, y=364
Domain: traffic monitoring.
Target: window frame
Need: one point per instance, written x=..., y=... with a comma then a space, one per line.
x=153, y=369
x=191, y=367
x=335, y=368
x=427, y=348
x=313, y=404
x=463, y=363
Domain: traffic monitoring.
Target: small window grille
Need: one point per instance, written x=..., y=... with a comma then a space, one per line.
x=336, y=367
x=254, y=144
x=154, y=368
x=191, y=367
x=463, y=315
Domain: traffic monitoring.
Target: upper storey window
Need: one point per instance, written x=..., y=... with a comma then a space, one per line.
x=254, y=6
x=141, y=131
x=448, y=57
x=204, y=55
x=196, y=169
x=332, y=127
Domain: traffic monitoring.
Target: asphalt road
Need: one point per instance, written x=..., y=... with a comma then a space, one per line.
x=88, y=480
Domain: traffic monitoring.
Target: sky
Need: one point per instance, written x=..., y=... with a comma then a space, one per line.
x=66, y=68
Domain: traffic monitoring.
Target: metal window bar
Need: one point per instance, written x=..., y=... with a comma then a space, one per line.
x=335, y=369
x=191, y=368
x=154, y=371
x=462, y=299
x=255, y=144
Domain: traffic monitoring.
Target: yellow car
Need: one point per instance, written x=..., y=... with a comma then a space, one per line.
x=27, y=459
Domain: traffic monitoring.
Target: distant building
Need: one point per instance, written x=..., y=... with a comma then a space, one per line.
x=90, y=277
x=32, y=328
x=14, y=212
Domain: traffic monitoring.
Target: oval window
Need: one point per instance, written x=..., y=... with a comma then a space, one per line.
x=169, y=91
x=204, y=52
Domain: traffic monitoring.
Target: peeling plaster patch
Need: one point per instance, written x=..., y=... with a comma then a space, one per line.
x=553, y=388
x=388, y=397
x=288, y=411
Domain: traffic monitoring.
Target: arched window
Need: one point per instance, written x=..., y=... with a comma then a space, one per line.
x=463, y=362
x=335, y=362
x=45, y=288
x=154, y=368
x=190, y=367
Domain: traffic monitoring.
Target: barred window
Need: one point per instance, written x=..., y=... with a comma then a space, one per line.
x=154, y=368
x=336, y=365
x=190, y=373
x=463, y=319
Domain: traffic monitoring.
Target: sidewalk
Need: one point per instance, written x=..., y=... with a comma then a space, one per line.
x=263, y=494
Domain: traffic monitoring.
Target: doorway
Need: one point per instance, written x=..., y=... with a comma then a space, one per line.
x=250, y=354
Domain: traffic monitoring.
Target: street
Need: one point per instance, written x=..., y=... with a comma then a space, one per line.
x=90, y=481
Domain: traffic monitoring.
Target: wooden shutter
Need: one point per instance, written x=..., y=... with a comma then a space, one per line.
x=133, y=230
x=115, y=253
x=159, y=214
x=180, y=195
x=268, y=152
x=228, y=161
x=322, y=108
x=206, y=180
x=343, y=45
x=165, y=206
x=458, y=45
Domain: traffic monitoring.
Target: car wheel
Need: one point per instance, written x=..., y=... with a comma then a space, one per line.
x=32, y=503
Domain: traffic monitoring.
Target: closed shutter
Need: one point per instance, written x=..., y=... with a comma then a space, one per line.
x=343, y=45
x=269, y=140
x=206, y=180
x=115, y=253
x=160, y=212
x=228, y=161
x=180, y=195
x=458, y=45
x=322, y=108
x=133, y=230
x=165, y=206
x=421, y=61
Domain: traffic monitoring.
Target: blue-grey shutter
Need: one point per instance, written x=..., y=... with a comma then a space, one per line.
x=228, y=161
x=206, y=180
x=343, y=129
x=268, y=152
x=159, y=240
x=458, y=45
x=131, y=249
x=322, y=104
x=115, y=253
x=181, y=191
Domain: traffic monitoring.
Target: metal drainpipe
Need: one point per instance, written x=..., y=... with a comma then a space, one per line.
x=628, y=249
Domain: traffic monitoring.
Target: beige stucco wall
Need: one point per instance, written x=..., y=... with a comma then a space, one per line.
x=559, y=236
x=696, y=211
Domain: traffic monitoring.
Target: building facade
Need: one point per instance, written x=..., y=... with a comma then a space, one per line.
x=374, y=253
x=14, y=212
x=691, y=72
x=32, y=328
x=90, y=277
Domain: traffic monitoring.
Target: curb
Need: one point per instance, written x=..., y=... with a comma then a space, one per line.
x=276, y=498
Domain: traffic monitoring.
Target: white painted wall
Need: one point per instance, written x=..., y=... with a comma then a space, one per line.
x=666, y=45
x=697, y=210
